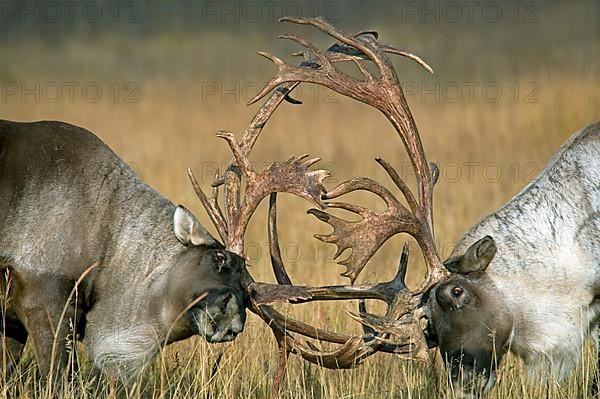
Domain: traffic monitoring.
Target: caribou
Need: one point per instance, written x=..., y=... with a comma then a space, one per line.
x=88, y=251
x=526, y=279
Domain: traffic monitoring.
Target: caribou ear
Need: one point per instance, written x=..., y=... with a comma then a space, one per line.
x=187, y=229
x=476, y=259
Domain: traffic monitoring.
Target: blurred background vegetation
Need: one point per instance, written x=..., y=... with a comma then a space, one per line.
x=155, y=80
x=208, y=39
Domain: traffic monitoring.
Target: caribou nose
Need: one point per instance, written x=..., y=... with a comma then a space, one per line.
x=227, y=303
x=232, y=320
x=231, y=309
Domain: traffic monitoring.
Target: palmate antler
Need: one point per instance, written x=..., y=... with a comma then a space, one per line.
x=399, y=330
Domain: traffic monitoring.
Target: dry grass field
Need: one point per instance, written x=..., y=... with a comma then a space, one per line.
x=187, y=86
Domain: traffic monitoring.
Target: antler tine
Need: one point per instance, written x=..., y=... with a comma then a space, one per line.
x=392, y=50
x=400, y=277
x=211, y=206
x=391, y=171
x=238, y=154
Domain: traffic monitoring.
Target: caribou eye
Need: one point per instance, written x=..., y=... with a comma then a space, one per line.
x=220, y=258
x=457, y=292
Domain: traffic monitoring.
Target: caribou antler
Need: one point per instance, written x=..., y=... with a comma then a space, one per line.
x=399, y=330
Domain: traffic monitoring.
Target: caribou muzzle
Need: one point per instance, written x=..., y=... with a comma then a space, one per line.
x=219, y=317
x=472, y=374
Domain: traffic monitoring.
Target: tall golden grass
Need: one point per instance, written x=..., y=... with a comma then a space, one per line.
x=169, y=131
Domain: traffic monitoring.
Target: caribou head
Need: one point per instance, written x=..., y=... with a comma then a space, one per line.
x=214, y=309
x=468, y=321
